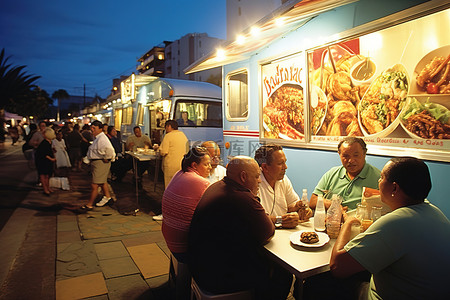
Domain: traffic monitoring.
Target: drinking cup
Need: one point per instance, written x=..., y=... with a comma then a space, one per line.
x=376, y=213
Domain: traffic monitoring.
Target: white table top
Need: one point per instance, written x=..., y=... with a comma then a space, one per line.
x=301, y=261
x=143, y=157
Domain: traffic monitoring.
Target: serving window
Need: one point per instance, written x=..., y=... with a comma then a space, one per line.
x=236, y=96
x=390, y=87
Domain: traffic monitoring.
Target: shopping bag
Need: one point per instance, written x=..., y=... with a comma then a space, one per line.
x=65, y=183
x=55, y=182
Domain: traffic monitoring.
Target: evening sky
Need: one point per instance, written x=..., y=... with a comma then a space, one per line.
x=72, y=43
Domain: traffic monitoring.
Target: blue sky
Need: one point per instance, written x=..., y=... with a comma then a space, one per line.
x=71, y=43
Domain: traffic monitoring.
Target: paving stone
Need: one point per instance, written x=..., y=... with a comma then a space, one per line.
x=148, y=238
x=68, y=236
x=126, y=287
x=68, y=226
x=116, y=267
x=158, y=281
x=110, y=250
x=81, y=287
x=150, y=259
x=76, y=260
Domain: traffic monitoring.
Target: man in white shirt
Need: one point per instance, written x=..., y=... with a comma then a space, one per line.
x=100, y=153
x=217, y=171
x=277, y=195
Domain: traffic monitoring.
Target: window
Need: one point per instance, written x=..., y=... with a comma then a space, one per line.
x=140, y=115
x=127, y=116
x=237, y=96
x=118, y=118
x=198, y=113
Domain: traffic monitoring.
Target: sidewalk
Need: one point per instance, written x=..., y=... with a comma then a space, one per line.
x=97, y=255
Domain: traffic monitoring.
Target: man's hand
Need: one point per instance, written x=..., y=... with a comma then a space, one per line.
x=289, y=220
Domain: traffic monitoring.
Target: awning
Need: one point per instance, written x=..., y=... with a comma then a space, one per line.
x=12, y=116
x=288, y=17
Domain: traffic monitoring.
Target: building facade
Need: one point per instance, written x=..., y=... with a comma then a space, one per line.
x=185, y=51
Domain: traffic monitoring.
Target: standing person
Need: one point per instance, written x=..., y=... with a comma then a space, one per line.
x=218, y=172
x=74, y=140
x=60, y=151
x=45, y=159
x=407, y=249
x=13, y=133
x=349, y=179
x=276, y=192
x=173, y=147
x=86, y=132
x=138, y=140
x=119, y=166
x=228, y=230
x=178, y=203
x=100, y=153
x=38, y=136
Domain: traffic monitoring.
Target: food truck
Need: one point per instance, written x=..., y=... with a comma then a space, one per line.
x=149, y=101
x=313, y=72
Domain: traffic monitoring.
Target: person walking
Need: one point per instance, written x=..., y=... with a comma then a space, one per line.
x=100, y=154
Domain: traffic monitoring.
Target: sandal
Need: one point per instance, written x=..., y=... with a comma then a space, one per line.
x=86, y=208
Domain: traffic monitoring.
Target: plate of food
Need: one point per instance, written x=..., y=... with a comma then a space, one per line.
x=425, y=119
x=432, y=73
x=381, y=105
x=309, y=238
x=283, y=112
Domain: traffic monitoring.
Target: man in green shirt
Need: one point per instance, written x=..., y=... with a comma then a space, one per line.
x=349, y=179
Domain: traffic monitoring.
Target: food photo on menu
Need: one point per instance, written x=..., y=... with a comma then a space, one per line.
x=391, y=87
x=352, y=94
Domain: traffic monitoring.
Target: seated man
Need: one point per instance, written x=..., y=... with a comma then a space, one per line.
x=407, y=249
x=277, y=195
x=228, y=230
x=139, y=141
x=349, y=179
x=184, y=121
x=217, y=171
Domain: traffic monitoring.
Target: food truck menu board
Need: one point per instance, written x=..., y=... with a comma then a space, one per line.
x=390, y=87
x=283, y=99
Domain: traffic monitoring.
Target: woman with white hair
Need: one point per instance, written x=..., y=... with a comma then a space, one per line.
x=44, y=159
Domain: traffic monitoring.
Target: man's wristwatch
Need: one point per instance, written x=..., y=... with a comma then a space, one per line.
x=278, y=222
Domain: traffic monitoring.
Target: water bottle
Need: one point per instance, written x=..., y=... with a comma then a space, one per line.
x=334, y=215
x=319, y=215
x=305, y=198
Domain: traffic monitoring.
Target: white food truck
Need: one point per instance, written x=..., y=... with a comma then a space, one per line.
x=312, y=72
x=148, y=102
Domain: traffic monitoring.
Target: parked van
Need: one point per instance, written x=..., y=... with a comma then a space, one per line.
x=196, y=106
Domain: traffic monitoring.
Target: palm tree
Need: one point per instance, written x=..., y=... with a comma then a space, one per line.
x=14, y=83
x=60, y=95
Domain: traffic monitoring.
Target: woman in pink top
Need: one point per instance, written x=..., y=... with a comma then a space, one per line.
x=181, y=197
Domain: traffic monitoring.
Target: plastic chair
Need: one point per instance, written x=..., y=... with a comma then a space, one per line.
x=198, y=294
x=179, y=278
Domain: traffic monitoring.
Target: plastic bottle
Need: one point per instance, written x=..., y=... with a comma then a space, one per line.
x=319, y=215
x=334, y=215
x=305, y=198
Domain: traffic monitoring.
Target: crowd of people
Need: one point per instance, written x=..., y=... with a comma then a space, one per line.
x=217, y=218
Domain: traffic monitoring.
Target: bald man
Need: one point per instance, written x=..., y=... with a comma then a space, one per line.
x=217, y=171
x=228, y=230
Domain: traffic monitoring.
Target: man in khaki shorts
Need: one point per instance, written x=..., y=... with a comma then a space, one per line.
x=100, y=153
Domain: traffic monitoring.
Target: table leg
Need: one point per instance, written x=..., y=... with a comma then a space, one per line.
x=298, y=288
x=136, y=179
x=155, y=179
